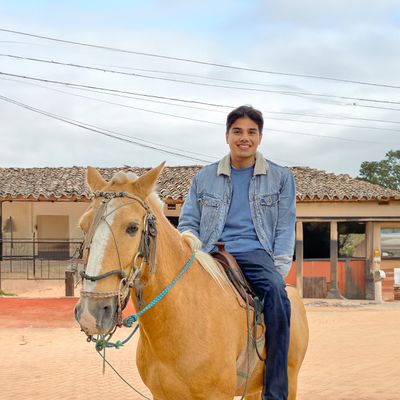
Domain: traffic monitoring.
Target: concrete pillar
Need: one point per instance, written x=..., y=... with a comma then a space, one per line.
x=369, y=273
x=334, y=289
x=299, y=257
x=376, y=262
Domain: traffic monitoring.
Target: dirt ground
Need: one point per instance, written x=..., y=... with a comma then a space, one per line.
x=354, y=354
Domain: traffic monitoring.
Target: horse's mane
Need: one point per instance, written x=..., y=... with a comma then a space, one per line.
x=205, y=260
x=121, y=177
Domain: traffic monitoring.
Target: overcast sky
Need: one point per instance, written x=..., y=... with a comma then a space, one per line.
x=357, y=40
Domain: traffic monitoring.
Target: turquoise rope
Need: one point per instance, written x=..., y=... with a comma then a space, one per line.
x=102, y=343
x=129, y=321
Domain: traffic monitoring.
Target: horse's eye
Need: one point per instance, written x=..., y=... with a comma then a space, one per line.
x=132, y=229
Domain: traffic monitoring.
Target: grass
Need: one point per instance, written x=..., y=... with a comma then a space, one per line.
x=3, y=293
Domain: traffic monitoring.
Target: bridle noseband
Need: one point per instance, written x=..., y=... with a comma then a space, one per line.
x=146, y=252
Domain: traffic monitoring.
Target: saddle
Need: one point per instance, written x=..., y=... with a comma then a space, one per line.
x=244, y=293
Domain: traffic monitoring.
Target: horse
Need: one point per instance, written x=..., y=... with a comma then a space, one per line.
x=191, y=339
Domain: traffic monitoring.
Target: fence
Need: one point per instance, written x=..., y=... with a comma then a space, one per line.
x=317, y=277
x=36, y=259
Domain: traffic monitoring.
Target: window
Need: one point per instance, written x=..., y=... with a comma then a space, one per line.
x=316, y=240
x=351, y=240
x=390, y=242
x=174, y=221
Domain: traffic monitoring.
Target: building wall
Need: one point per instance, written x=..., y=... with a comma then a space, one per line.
x=366, y=209
x=24, y=215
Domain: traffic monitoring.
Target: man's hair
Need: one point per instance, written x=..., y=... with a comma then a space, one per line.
x=245, y=112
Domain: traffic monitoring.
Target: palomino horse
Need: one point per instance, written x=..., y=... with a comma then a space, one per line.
x=191, y=339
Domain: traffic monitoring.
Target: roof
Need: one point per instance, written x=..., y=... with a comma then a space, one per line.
x=174, y=183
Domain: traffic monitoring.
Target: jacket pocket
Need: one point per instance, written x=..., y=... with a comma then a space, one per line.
x=269, y=200
x=210, y=207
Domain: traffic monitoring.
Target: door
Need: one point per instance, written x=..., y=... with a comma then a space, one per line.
x=53, y=237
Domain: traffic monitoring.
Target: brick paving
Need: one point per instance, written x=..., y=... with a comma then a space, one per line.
x=353, y=354
x=58, y=363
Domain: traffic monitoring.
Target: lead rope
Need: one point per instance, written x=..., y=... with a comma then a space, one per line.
x=120, y=376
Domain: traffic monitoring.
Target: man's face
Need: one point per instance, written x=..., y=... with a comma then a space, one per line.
x=243, y=139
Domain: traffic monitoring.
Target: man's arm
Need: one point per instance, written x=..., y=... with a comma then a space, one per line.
x=189, y=219
x=285, y=230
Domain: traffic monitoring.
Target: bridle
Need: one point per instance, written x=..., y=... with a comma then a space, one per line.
x=146, y=252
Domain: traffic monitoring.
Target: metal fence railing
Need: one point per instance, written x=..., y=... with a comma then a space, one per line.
x=36, y=259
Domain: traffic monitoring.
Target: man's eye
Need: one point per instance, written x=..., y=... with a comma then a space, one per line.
x=131, y=229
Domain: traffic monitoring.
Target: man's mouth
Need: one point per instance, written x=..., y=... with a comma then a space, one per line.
x=244, y=146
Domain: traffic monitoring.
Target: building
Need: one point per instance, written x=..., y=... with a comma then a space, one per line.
x=347, y=230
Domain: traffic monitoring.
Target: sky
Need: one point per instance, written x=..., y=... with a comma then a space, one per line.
x=271, y=55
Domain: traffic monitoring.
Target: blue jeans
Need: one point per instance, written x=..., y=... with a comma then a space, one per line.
x=259, y=269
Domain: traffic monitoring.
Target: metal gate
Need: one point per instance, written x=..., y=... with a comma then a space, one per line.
x=36, y=259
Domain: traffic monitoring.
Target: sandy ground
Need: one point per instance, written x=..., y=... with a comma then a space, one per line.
x=354, y=353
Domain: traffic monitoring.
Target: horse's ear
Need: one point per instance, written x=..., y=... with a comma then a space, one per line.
x=94, y=180
x=145, y=184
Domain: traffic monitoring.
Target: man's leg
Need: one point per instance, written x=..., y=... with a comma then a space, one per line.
x=259, y=269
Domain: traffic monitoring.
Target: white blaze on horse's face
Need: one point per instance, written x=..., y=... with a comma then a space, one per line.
x=101, y=240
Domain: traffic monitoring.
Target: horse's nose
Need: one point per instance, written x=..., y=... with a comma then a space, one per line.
x=104, y=311
x=96, y=316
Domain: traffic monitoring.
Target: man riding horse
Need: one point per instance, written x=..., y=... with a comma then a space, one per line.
x=249, y=203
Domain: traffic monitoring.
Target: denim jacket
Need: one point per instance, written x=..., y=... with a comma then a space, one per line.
x=272, y=197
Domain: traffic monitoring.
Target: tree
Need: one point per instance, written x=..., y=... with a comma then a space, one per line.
x=385, y=173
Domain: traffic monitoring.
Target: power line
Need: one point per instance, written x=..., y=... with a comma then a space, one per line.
x=280, y=92
x=135, y=69
x=269, y=129
x=328, y=137
x=215, y=123
x=98, y=130
x=111, y=90
x=109, y=48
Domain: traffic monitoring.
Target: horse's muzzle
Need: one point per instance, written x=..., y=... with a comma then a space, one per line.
x=97, y=315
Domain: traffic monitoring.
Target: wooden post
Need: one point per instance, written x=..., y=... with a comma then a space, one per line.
x=299, y=257
x=333, y=289
x=69, y=283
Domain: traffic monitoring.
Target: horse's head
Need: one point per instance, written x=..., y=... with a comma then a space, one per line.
x=120, y=234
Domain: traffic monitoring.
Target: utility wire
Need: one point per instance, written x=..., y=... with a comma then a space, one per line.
x=102, y=130
x=136, y=69
x=114, y=49
x=98, y=130
x=110, y=90
x=328, y=137
x=205, y=121
x=105, y=132
x=280, y=92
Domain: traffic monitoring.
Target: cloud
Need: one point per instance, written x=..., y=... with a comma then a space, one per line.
x=284, y=36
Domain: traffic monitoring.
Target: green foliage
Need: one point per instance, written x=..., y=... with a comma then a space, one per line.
x=385, y=173
x=3, y=293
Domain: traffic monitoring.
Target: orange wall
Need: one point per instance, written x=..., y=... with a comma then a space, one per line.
x=323, y=268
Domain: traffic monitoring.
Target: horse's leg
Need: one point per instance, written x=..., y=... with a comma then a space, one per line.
x=292, y=389
x=256, y=396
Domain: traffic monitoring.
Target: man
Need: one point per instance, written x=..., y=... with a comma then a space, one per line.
x=249, y=203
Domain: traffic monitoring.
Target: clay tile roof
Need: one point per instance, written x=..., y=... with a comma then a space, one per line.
x=174, y=183
x=313, y=184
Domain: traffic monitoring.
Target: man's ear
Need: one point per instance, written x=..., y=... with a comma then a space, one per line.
x=146, y=183
x=226, y=136
x=94, y=180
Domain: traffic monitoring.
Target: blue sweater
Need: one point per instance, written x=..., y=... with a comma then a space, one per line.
x=239, y=234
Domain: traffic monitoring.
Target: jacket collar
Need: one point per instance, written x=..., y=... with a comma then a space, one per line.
x=260, y=168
